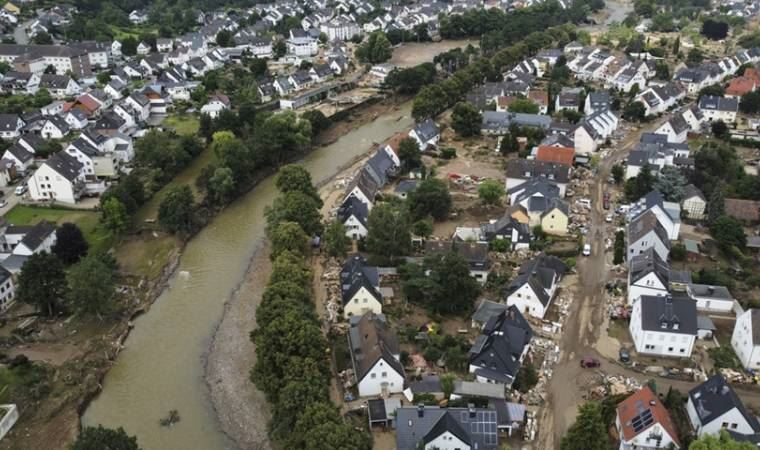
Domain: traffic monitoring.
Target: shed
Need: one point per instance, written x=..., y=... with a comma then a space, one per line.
x=382, y=411
x=692, y=249
x=705, y=327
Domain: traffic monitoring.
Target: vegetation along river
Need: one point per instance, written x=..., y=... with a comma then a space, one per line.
x=161, y=366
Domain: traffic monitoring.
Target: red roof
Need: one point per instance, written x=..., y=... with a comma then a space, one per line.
x=540, y=97
x=642, y=400
x=88, y=102
x=560, y=155
x=740, y=86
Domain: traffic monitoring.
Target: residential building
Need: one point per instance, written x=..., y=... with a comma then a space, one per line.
x=664, y=326
x=427, y=134
x=714, y=406
x=7, y=289
x=746, y=339
x=676, y=129
x=597, y=101
x=301, y=44
x=535, y=285
x=693, y=203
x=375, y=356
x=10, y=126
x=748, y=211
x=497, y=123
x=648, y=274
x=712, y=299
x=353, y=214
x=520, y=171
x=646, y=232
x=474, y=253
x=59, y=179
x=509, y=229
x=498, y=352
x=668, y=213
x=643, y=423
x=360, y=288
x=719, y=108
x=556, y=154
x=37, y=58
x=655, y=151
x=433, y=427
x=216, y=104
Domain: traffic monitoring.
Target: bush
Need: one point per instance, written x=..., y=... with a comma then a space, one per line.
x=500, y=245
x=724, y=357
x=448, y=153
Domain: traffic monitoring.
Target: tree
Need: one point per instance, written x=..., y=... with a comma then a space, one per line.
x=280, y=48
x=490, y=192
x=176, y=213
x=452, y=289
x=321, y=427
x=289, y=236
x=389, y=231
x=589, y=430
x=319, y=122
x=42, y=38
x=677, y=45
x=42, y=282
x=715, y=90
x=619, y=247
x=719, y=129
x=336, y=243
x=640, y=185
x=618, y=173
x=694, y=57
x=129, y=46
x=662, y=70
x=527, y=377
x=431, y=198
x=750, y=103
x=70, y=244
x=671, y=183
x=294, y=177
x=729, y=232
x=221, y=184
x=714, y=29
x=409, y=154
x=224, y=38
x=91, y=285
x=634, y=112
x=92, y=438
x=722, y=442
x=295, y=206
x=715, y=206
x=104, y=77
x=376, y=50
x=423, y=228
x=524, y=105
x=114, y=216
x=509, y=144
x=466, y=119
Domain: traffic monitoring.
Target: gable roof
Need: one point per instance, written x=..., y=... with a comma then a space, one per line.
x=371, y=340
x=415, y=425
x=426, y=130
x=352, y=206
x=715, y=397
x=497, y=351
x=9, y=122
x=64, y=164
x=690, y=191
x=643, y=224
x=669, y=314
x=356, y=274
x=20, y=153
x=711, y=102
x=526, y=169
x=539, y=273
x=648, y=262
x=641, y=411
x=34, y=237
x=559, y=155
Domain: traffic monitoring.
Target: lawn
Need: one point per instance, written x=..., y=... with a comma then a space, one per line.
x=96, y=234
x=184, y=124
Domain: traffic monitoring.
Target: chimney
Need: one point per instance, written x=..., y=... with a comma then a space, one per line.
x=421, y=410
x=711, y=290
x=471, y=410
x=652, y=402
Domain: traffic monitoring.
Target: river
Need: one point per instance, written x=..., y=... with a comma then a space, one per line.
x=161, y=366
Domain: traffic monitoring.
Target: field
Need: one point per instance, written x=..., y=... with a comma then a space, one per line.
x=184, y=124
x=414, y=53
x=88, y=221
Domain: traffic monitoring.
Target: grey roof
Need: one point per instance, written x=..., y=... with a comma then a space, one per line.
x=755, y=322
x=558, y=140
x=475, y=253
x=20, y=153
x=540, y=273
x=669, y=314
x=14, y=263
x=535, y=186
x=497, y=351
x=59, y=122
x=84, y=146
x=352, y=206
x=649, y=262
x=475, y=389
x=34, y=237
x=715, y=103
x=52, y=81
x=422, y=424
x=643, y=224
x=715, y=397
x=65, y=164
x=502, y=119
x=526, y=169
x=692, y=191
x=371, y=340
x=8, y=122
x=380, y=166
x=365, y=182
x=705, y=323
x=356, y=274
x=486, y=309
x=708, y=291
x=426, y=130
x=430, y=384
x=406, y=186
x=508, y=412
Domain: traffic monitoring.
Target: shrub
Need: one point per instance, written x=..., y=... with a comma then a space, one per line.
x=448, y=153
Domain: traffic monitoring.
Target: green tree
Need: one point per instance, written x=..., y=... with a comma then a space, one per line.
x=114, y=216
x=221, y=185
x=42, y=38
x=42, y=282
x=389, y=231
x=490, y=192
x=619, y=249
x=694, y=57
x=336, y=243
x=715, y=206
x=70, y=244
x=527, y=377
x=729, y=232
x=92, y=438
x=224, y=38
x=294, y=177
x=104, y=77
x=91, y=286
x=715, y=90
x=589, y=430
x=431, y=198
x=376, y=49
x=719, y=129
x=290, y=267
x=618, y=173
x=295, y=206
x=450, y=289
x=670, y=182
x=289, y=236
x=409, y=154
x=509, y=144
x=176, y=213
x=129, y=46
x=634, y=112
x=321, y=427
x=640, y=185
x=319, y=122
x=423, y=228
x=750, y=103
x=524, y=105
x=466, y=119
x=722, y=442
x=280, y=48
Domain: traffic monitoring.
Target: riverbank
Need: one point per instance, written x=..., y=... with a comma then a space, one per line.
x=242, y=410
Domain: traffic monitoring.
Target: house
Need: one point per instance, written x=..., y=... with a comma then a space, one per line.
x=570, y=100
x=714, y=299
x=655, y=151
x=643, y=422
x=10, y=126
x=520, y=171
x=76, y=119
x=300, y=79
x=216, y=104
x=498, y=352
x=404, y=187
x=353, y=214
x=485, y=310
x=747, y=211
x=541, y=98
x=719, y=108
x=59, y=86
x=646, y=232
x=648, y=274
x=360, y=288
x=554, y=216
x=744, y=84
x=714, y=406
x=676, y=129
x=7, y=289
x=54, y=127
x=300, y=44
x=746, y=339
x=138, y=17
x=597, y=101
x=433, y=427
x=164, y=45
x=95, y=162
x=363, y=187
x=321, y=73
x=59, y=179
x=143, y=48
x=664, y=326
x=535, y=285
x=668, y=213
x=375, y=356
x=21, y=157
x=140, y=104
x=693, y=203
x=427, y=134
x=556, y=154
x=658, y=99
x=39, y=238
x=474, y=253
x=497, y=123
x=509, y=229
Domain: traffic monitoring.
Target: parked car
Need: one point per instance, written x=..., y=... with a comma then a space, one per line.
x=584, y=202
x=3, y=203
x=606, y=200
x=21, y=189
x=587, y=250
x=608, y=219
x=589, y=362
x=625, y=355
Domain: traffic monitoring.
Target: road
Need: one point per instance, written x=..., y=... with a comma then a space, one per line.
x=19, y=34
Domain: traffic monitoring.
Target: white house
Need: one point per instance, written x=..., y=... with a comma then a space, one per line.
x=426, y=134
x=7, y=289
x=535, y=286
x=360, y=288
x=353, y=214
x=664, y=326
x=40, y=238
x=363, y=187
x=648, y=275
x=643, y=423
x=719, y=108
x=76, y=119
x=301, y=45
x=216, y=104
x=60, y=178
x=711, y=298
x=668, y=213
x=375, y=356
x=500, y=349
x=520, y=171
x=55, y=127
x=746, y=338
x=10, y=126
x=693, y=203
x=143, y=48
x=645, y=232
x=714, y=406
x=21, y=157
x=676, y=129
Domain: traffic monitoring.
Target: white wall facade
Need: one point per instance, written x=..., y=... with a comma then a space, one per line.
x=527, y=302
x=381, y=376
x=733, y=420
x=447, y=441
x=361, y=303
x=658, y=343
x=741, y=340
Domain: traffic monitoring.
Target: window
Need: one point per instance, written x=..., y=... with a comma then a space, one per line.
x=384, y=374
x=670, y=349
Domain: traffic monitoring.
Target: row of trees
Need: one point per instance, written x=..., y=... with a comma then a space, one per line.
x=291, y=352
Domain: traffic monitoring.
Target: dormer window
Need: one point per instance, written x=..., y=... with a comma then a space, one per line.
x=663, y=325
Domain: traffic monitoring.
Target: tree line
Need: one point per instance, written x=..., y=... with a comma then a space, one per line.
x=292, y=366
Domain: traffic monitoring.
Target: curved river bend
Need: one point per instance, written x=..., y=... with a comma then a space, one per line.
x=161, y=367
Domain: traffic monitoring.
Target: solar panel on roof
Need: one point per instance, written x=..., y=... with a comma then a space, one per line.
x=642, y=421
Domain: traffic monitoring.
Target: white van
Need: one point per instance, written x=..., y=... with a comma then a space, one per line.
x=584, y=202
x=587, y=250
